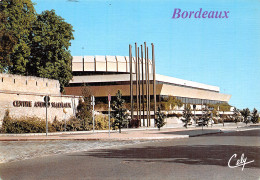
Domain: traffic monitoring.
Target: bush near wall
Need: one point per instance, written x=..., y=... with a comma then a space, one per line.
x=37, y=125
x=24, y=125
x=102, y=122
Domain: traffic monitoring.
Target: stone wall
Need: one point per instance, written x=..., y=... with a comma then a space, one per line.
x=28, y=84
x=24, y=96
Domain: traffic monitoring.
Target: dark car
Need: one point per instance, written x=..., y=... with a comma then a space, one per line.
x=201, y=122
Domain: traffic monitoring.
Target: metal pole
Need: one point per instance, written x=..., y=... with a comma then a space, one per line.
x=154, y=83
x=139, y=89
x=136, y=80
x=83, y=64
x=65, y=122
x=146, y=83
x=46, y=103
x=109, y=117
x=131, y=79
x=149, y=97
x=194, y=116
x=142, y=80
x=93, y=103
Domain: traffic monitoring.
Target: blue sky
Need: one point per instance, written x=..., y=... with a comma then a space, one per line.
x=220, y=52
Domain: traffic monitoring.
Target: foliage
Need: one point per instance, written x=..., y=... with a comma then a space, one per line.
x=159, y=121
x=205, y=115
x=245, y=113
x=34, y=44
x=220, y=106
x=187, y=114
x=50, y=53
x=84, y=109
x=102, y=122
x=171, y=102
x=255, y=116
x=7, y=44
x=17, y=18
x=57, y=125
x=24, y=125
x=74, y=124
x=236, y=115
x=119, y=112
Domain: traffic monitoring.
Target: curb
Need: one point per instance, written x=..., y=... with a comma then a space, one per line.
x=99, y=139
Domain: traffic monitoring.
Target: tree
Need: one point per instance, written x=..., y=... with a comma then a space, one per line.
x=205, y=116
x=17, y=17
x=50, y=55
x=84, y=110
x=119, y=112
x=159, y=121
x=236, y=115
x=255, y=116
x=245, y=113
x=7, y=44
x=32, y=44
x=187, y=114
x=171, y=102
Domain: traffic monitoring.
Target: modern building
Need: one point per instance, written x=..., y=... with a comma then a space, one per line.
x=106, y=75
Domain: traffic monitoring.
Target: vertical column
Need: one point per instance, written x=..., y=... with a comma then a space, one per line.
x=139, y=88
x=83, y=63
x=131, y=79
x=149, y=97
x=136, y=80
x=146, y=82
x=154, y=83
x=142, y=57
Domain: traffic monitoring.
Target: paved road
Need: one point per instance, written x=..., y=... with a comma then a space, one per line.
x=203, y=157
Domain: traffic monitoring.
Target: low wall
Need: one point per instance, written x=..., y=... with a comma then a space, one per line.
x=24, y=96
x=33, y=105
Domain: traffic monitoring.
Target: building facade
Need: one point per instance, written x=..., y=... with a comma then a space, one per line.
x=105, y=75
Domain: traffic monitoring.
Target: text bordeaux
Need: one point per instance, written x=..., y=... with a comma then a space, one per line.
x=41, y=104
x=178, y=13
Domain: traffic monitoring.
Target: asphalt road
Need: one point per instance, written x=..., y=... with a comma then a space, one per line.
x=203, y=157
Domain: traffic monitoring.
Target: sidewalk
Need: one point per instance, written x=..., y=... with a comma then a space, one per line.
x=127, y=134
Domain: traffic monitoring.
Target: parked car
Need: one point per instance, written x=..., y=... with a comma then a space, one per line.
x=201, y=122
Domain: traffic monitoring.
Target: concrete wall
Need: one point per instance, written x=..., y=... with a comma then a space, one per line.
x=161, y=89
x=28, y=84
x=23, y=99
x=106, y=64
x=101, y=63
x=89, y=63
x=21, y=105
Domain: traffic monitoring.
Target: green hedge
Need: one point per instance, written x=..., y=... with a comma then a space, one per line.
x=24, y=125
x=37, y=125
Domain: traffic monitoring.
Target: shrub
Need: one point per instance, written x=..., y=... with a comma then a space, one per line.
x=159, y=121
x=102, y=122
x=216, y=121
x=220, y=120
x=74, y=124
x=24, y=125
x=57, y=125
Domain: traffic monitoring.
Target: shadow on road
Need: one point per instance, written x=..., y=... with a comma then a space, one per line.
x=214, y=132
x=195, y=155
x=198, y=131
x=239, y=133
